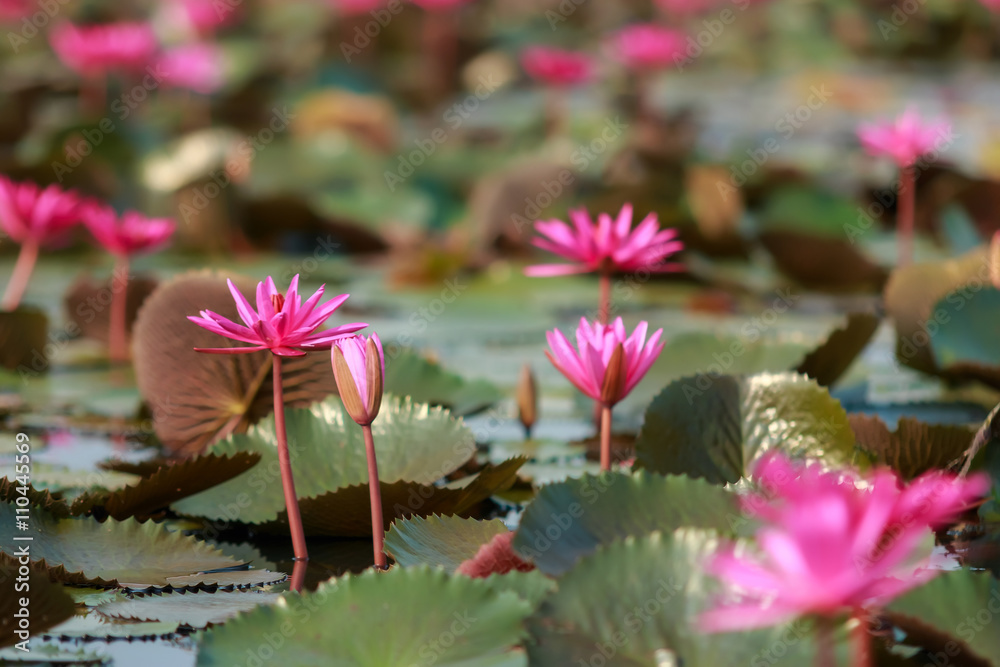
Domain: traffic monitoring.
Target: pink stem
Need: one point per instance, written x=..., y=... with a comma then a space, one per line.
x=860, y=643
x=604, y=307
x=825, y=645
x=117, y=336
x=905, y=214
x=375, y=491
x=606, y=437
x=19, y=279
x=299, y=568
x=285, y=462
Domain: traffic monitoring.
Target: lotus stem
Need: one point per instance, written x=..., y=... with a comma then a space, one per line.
x=285, y=462
x=905, y=214
x=299, y=568
x=605, y=438
x=860, y=643
x=604, y=307
x=19, y=279
x=117, y=336
x=826, y=647
x=375, y=491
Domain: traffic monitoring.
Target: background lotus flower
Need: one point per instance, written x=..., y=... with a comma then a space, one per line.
x=282, y=324
x=197, y=67
x=607, y=247
x=359, y=368
x=33, y=217
x=557, y=67
x=98, y=49
x=830, y=547
x=198, y=16
x=606, y=366
x=649, y=46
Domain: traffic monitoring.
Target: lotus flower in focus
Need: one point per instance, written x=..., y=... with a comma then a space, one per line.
x=904, y=139
x=648, y=46
x=29, y=213
x=282, y=324
x=359, y=369
x=595, y=368
x=197, y=67
x=557, y=67
x=830, y=546
x=97, y=49
x=128, y=234
x=610, y=245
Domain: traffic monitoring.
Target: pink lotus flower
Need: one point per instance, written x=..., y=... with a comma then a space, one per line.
x=610, y=245
x=359, y=369
x=15, y=10
x=197, y=67
x=129, y=234
x=830, y=547
x=282, y=324
x=440, y=5
x=199, y=16
x=588, y=366
x=98, y=49
x=557, y=67
x=29, y=213
x=904, y=139
x=648, y=46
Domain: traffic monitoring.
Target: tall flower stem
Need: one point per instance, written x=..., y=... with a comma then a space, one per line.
x=299, y=568
x=26, y=259
x=825, y=645
x=285, y=463
x=861, y=655
x=604, y=308
x=375, y=491
x=117, y=337
x=905, y=213
x=606, y=437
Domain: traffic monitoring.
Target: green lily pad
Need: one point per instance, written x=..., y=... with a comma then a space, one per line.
x=530, y=586
x=952, y=613
x=193, y=609
x=716, y=427
x=964, y=344
x=124, y=553
x=632, y=603
x=915, y=447
x=569, y=520
x=64, y=480
x=413, y=443
x=10, y=490
x=47, y=602
x=49, y=655
x=95, y=626
x=441, y=541
x=424, y=381
x=401, y=617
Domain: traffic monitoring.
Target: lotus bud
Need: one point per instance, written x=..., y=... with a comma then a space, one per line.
x=359, y=369
x=527, y=399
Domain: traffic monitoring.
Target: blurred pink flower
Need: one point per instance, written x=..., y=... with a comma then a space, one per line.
x=359, y=370
x=556, y=66
x=351, y=7
x=829, y=547
x=15, y=10
x=648, y=46
x=610, y=245
x=904, y=139
x=282, y=324
x=197, y=67
x=31, y=213
x=129, y=234
x=98, y=49
x=200, y=16
x=440, y=5
x=993, y=5
x=587, y=365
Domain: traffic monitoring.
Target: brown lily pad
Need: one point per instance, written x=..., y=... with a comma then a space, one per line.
x=23, y=341
x=830, y=360
x=915, y=447
x=48, y=604
x=198, y=398
x=822, y=262
x=88, y=304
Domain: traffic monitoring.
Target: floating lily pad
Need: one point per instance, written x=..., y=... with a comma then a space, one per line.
x=95, y=626
x=424, y=381
x=412, y=616
x=569, y=520
x=66, y=480
x=439, y=541
x=915, y=447
x=716, y=427
x=197, y=398
x=193, y=609
x=47, y=602
x=88, y=303
x=49, y=654
x=633, y=601
x=346, y=512
x=829, y=361
x=964, y=344
x=126, y=553
x=414, y=443
x=950, y=614
x=167, y=485
x=11, y=490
